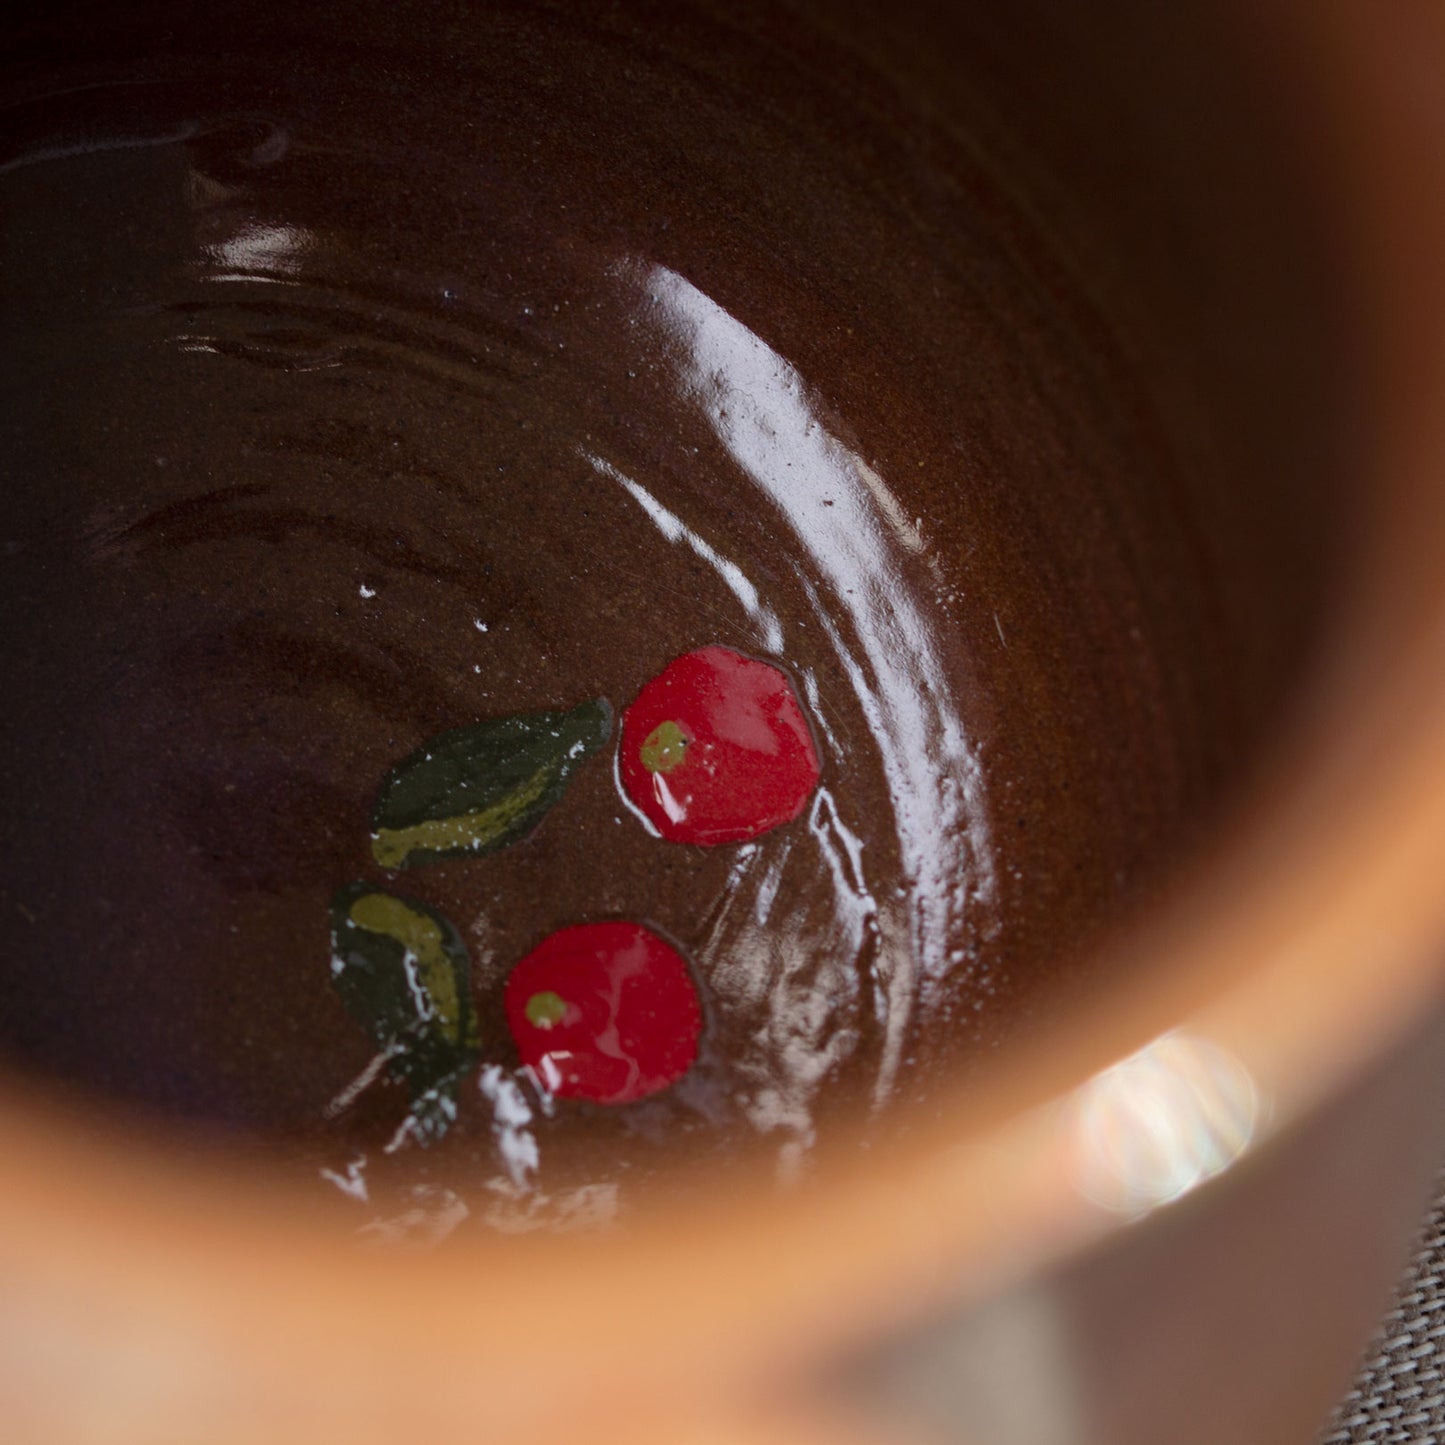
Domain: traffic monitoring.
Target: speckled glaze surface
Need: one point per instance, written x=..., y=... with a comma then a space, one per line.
x=1003, y=376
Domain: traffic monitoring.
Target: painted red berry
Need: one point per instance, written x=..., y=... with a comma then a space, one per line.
x=604, y=1011
x=716, y=749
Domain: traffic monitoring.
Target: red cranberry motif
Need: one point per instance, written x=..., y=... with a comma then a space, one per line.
x=604, y=1011
x=716, y=749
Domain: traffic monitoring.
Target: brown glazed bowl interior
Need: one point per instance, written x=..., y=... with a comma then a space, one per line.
x=1119, y=316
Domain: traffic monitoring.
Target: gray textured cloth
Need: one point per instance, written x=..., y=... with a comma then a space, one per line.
x=1399, y=1398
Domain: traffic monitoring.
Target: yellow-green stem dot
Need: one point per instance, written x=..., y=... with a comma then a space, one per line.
x=545, y=1009
x=664, y=748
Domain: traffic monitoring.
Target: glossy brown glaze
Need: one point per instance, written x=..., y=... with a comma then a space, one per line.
x=373, y=380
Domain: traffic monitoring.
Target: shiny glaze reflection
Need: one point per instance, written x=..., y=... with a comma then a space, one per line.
x=814, y=943
x=346, y=408
x=849, y=539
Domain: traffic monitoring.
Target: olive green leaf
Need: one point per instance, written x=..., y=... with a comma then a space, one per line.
x=477, y=789
x=403, y=973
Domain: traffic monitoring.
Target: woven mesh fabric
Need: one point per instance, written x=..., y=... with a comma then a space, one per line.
x=1399, y=1398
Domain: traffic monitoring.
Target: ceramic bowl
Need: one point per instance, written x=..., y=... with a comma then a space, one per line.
x=1134, y=318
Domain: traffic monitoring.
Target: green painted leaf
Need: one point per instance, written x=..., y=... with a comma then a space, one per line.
x=477, y=789
x=403, y=973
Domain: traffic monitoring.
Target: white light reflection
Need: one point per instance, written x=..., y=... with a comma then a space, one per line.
x=258, y=251
x=853, y=529
x=511, y=1124
x=1156, y=1125
x=662, y=791
x=906, y=532
x=435, y=1213
x=589, y=1208
x=674, y=529
x=352, y=1181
